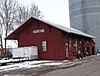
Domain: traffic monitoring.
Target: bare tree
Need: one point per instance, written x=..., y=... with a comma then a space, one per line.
x=8, y=9
x=34, y=11
x=1, y=31
x=25, y=12
x=11, y=14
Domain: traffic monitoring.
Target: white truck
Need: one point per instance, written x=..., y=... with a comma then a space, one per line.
x=25, y=52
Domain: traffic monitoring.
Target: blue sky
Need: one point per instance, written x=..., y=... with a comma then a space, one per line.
x=56, y=11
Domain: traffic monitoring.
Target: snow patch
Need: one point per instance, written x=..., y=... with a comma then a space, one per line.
x=98, y=54
x=52, y=63
x=27, y=64
x=31, y=64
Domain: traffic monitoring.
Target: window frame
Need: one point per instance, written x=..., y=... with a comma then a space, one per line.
x=44, y=46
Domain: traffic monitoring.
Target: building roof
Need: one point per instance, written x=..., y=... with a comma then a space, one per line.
x=68, y=30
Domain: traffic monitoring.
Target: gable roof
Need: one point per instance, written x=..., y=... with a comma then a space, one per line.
x=68, y=30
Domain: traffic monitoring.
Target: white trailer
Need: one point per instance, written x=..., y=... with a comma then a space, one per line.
x=25, y=52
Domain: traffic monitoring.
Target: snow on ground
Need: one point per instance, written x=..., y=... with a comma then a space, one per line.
x=52, y=63
x=27, y=64
x=17, y=66
x=98, y=54
x=10, y=60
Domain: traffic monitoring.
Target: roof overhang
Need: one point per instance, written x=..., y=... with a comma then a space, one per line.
x=14, y=34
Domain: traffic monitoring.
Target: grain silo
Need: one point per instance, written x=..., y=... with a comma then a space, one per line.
x=85, y=16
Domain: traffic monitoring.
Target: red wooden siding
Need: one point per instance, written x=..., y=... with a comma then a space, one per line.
x=57, y=40
x=53, y=36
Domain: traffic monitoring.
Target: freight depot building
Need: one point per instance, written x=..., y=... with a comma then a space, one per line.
x=53, y=41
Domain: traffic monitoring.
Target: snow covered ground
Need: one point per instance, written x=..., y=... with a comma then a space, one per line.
x=98, y=54
x=29, y=64
x=35, y=64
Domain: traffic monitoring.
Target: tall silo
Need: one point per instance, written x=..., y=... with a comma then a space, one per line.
x=85, y=16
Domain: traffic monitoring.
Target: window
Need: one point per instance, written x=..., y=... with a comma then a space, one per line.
x=44, y=46
x=76, y=44
x=66, y=46
x=70, y=45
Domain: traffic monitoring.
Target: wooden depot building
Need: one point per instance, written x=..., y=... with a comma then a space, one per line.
x=53, y=41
